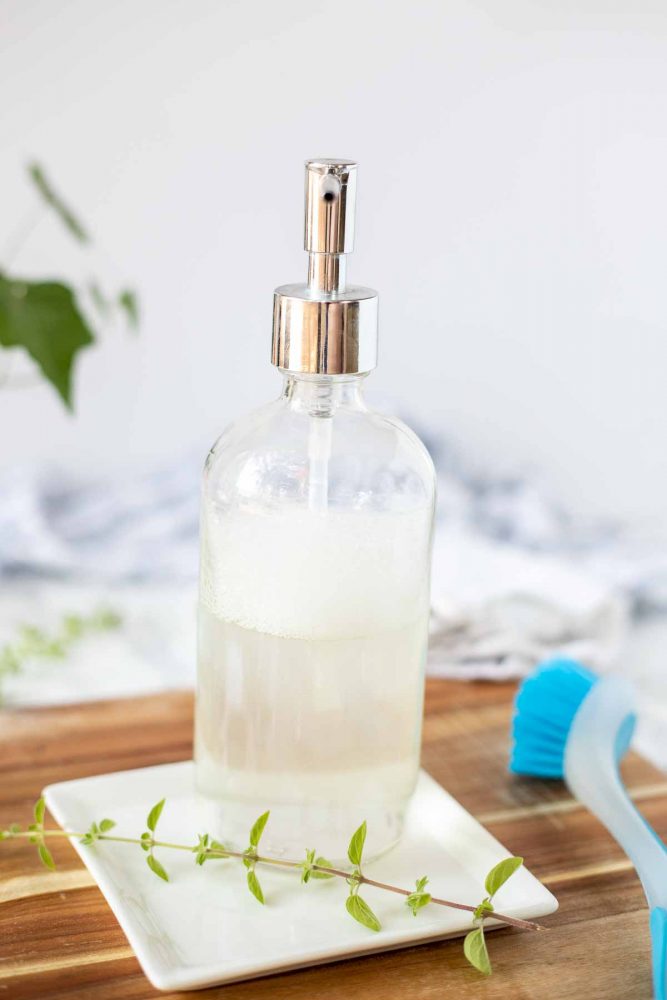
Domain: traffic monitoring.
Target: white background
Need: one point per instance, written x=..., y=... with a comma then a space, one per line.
x=512, y=215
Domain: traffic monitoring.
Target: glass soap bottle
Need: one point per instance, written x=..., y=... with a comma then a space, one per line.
x=316, y=530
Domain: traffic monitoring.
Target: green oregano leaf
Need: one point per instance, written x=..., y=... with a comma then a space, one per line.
x=156, y=867
x=356, y=848
x=200, y=850
x=40, y=807
x=220, y=849
x=362, y=913
x=485, y=907
x=474, y=949
x=417, y=900
x=46, y=857
x=307, y=866
x=146, y=840
x=258, y=829
x=322, y=863
x=500, y=874
x=154, y=815
x=106, y=825
x=255, y=887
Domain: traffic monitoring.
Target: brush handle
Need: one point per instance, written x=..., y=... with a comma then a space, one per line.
x=591, y=771
x=659, y=951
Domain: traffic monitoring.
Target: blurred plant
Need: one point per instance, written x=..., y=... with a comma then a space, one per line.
x=34, y=643
x=43, y=318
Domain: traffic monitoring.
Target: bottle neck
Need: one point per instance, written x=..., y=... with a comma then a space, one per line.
x=322, y=395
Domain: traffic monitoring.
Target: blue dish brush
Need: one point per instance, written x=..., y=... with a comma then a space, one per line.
x=570, y=724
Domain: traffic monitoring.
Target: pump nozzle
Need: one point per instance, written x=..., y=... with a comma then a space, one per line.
x=331, y=187
x=325, y=327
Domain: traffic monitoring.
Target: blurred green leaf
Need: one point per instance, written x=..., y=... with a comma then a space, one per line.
x=154, y=815
x=43, y=319
x=128, y=302
x=46, y=857
x=99, y=299
x=53, y=199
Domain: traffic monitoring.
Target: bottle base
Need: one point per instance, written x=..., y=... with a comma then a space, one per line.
x=294, y=828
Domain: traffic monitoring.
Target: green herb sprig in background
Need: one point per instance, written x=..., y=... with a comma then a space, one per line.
x=313, y=867
x=33, y=642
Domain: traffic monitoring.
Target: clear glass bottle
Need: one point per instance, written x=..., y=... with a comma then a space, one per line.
x=315, y=563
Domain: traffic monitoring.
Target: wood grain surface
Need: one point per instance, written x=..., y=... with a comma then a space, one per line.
x=58, y=938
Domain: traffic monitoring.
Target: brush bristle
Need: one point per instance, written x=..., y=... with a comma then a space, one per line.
x=545, y=706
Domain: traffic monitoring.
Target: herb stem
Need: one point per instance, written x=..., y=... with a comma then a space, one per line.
x=284, y=863
x=527, y=925
x=364, y=880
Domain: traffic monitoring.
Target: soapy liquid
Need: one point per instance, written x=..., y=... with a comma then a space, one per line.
x=322, y=727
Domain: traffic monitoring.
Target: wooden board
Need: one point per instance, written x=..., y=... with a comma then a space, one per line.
x=59, y=939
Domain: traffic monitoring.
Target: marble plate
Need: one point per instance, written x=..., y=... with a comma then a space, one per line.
x=204, y=928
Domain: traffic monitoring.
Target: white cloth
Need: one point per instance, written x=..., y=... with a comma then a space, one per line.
x=497, y=609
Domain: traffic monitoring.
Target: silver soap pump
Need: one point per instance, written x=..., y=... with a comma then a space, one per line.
x=325, y=327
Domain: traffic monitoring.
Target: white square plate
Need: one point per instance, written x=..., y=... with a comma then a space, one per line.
x=204, y=928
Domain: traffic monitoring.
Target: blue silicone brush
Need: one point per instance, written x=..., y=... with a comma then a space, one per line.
x=570, y=724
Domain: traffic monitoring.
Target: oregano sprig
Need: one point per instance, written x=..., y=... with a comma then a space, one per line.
x=313, y=866
x=357, y=907
x=96, y=830
x=474, y=945
x=34, y=643
x=36, y=831
x=418, y=899
x=250, y=856
x=148, y=842
x=207, y=848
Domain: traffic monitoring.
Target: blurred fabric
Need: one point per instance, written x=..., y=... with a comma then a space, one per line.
x=515, y=578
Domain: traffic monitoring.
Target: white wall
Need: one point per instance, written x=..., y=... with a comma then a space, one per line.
x=512, y=214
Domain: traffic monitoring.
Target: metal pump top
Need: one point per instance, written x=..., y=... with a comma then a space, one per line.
x=326, y=327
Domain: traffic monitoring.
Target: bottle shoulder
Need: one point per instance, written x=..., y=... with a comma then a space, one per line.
x=272, y=453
